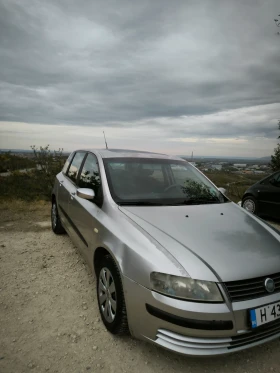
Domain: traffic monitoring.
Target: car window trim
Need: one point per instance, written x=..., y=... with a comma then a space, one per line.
x=81, y=169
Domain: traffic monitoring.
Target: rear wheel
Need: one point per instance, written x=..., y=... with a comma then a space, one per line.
x=56, y=222
x=250, y=204
x=110, y=296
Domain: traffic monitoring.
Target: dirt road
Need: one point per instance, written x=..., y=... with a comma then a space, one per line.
x=49, y=315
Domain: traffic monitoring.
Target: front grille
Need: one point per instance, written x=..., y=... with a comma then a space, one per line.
x=262, y=332
x=251, y=289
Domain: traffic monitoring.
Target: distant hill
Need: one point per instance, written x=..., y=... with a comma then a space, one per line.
x=266, y=158
x=16, y=151
x=229, y=158
x=197, y=157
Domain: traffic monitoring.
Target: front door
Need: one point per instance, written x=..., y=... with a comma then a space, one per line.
x=67, y=182
x=275, y=196
x=85, y=214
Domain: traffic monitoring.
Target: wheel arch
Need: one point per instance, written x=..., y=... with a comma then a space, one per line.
x=99, y=253
x=248, y=194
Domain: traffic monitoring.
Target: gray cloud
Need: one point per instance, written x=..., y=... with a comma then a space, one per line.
x=123, y=63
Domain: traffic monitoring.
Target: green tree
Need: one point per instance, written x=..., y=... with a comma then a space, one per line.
x=275, y=159
x=49, y=163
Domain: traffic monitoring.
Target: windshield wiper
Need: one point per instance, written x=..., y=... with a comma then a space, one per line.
x=140, y=203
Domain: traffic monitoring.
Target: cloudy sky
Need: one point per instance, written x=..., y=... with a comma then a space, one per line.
x=169, y=76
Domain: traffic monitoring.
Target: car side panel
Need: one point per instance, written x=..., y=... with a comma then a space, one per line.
x=138, y=254
x=262, y=195
x=268, y=197
x=84, y=217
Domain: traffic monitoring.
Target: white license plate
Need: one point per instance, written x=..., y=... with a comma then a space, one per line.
x=265, y=314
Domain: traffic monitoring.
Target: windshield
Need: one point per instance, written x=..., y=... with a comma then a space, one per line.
x=148, y=181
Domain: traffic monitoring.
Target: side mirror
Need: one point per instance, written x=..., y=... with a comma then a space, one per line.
x=272, y=181
x=85, y=193
x=223, y=191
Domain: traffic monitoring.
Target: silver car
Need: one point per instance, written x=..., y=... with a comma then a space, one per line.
x=176, y=262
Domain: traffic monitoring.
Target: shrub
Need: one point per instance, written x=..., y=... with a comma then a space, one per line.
x=49, y=163
x=37, y=183
x=12, y=162
x=22, y=186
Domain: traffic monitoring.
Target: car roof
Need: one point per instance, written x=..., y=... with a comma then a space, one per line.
x=128, y=153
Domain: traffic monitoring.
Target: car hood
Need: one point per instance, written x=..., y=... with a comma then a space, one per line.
x=231, y=242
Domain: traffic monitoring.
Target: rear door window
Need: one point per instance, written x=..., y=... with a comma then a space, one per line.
x=68, y=161
x=75, y=166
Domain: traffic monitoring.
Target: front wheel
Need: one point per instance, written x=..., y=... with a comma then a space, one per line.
x=250, y=204
x=111, y=297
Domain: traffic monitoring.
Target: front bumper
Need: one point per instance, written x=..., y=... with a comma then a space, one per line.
x=194, y=328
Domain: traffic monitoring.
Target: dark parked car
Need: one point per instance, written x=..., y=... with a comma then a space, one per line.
x=263, y=198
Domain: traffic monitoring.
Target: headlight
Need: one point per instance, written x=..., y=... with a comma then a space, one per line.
x=185, y=288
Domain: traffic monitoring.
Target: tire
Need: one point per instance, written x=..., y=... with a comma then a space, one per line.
x=55, y=219
x=110, y=296
x=250, y=204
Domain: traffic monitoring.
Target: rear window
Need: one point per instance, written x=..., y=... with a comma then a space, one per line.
x=65, y=168
x=75, y=166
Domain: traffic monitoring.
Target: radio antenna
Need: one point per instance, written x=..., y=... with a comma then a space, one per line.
x=105, y=140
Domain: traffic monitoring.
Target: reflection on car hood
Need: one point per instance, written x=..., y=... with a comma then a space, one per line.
x=233, y=243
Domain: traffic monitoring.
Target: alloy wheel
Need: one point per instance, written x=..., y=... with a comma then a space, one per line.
x=107, y=294
x=54, y=215
x=249, y=205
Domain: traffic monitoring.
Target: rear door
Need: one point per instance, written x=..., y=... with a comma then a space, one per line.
x=275, y=196
x=67, y=181
x=85, y=214
x=269, y=195
x=62, y=194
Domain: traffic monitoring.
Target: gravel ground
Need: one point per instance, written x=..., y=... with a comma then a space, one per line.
x=49, y=315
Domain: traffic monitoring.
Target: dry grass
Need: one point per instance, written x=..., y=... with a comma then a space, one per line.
x=12, y=211
x=23, y=206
